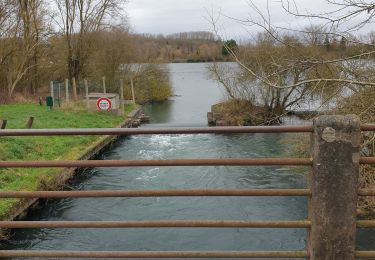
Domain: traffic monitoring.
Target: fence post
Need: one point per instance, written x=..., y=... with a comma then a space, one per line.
x=87, y=94
x=132, y=89
x=29, y=122
x=74, y=85
x=121, y=97
x=334, y=185
x=104, y=88
x=52, y=91
x=67, y=90
x=3, y=123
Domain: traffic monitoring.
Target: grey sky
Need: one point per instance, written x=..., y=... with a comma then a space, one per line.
x=170, y=16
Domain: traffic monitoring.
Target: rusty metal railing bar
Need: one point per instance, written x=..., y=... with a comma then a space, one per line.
x=365, y=254
x=157, y=224
x=366, y=192
x=148, y=163
x=155, y=193
x=368, y=127
x=175, y=162
x=366, y=223
x=147, y=131
x=154, y=254
x=367, y=160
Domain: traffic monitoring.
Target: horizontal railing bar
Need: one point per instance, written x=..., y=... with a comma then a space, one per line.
x=366, y=223
x=157, y=224
x=366, y=192
x=368, y=127
x=146, y=131
x=148, y=163
x=367, y=160
x=180, y=130
x=365, y=254
x=154, y=193
x=175, y=130
x=154, y=254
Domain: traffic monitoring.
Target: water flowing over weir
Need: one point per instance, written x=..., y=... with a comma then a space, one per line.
x=195, y=95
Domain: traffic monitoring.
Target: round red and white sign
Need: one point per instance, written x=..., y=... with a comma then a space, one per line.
x=104, y=104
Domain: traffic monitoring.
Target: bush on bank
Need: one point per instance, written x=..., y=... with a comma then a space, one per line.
x=151, y=84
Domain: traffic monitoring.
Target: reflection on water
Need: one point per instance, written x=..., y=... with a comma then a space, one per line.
x=161, y=112
x=195, y=94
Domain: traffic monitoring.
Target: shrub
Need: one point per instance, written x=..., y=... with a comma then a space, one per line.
x=151, y=84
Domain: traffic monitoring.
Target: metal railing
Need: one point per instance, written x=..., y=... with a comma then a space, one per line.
x=314, y=250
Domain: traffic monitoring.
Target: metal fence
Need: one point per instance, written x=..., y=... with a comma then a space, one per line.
x=332, y=191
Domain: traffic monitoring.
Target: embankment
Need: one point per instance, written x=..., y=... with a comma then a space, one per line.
x=51, y=148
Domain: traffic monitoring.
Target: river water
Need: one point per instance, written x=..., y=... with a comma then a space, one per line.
x=195, y=93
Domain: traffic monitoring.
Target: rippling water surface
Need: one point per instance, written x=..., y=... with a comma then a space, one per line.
x=195, y=96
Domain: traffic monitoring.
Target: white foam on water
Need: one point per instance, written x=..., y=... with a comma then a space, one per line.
x=149, y=175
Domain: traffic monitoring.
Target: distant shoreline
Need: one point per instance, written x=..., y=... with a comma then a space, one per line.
x=198, y=61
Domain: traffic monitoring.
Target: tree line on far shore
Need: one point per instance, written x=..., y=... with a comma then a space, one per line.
x=200, y=46
x=41, y=41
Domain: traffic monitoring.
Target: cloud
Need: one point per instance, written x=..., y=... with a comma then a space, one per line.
x=171, y=16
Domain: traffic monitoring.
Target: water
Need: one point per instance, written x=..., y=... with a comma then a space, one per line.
x=195, y=94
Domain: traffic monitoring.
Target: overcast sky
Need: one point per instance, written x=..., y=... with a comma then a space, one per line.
x=171, y=16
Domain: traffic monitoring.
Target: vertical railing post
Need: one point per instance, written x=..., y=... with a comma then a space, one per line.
x=334, y=185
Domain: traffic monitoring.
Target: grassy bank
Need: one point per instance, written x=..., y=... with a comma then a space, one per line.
x=45, y=148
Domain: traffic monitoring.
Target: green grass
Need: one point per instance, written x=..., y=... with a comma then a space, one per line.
x=45, y=148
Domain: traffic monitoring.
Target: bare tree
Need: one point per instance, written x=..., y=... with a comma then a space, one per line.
x=113, y=48
x=20, y=37
x=77, y=19
x=286, y=61
x=32, y=13
x=341, y=16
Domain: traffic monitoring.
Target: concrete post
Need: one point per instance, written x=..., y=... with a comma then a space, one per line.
x=334, y=185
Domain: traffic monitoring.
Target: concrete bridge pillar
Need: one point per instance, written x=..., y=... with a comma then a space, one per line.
x=335, y=148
